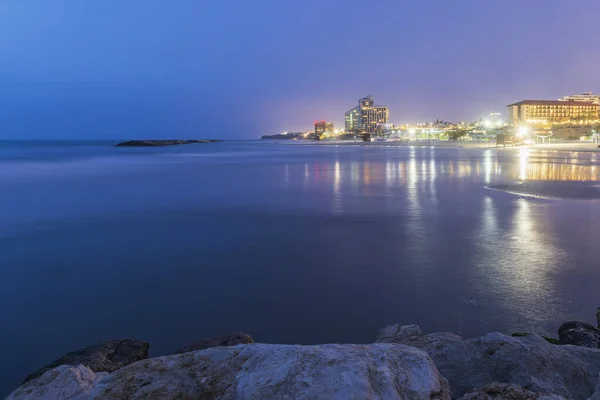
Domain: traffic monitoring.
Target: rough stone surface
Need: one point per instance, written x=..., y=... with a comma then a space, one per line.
x=102, y=357
x=232, y=339
x=530, y=362
x=260, y=371
x=64, y=382
x=411, y=335
x=596, y=395
x=504, y=391
x=579, y=334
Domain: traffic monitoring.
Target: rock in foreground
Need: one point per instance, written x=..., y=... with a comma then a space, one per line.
x=261, y=371
x=232, y=339
x=579, y=334
x=503, y=391
x=64, y=382
x=102, y=357
x=155, y=143
x=529, y=362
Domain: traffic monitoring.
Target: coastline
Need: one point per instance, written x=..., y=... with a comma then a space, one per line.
x=566, y=146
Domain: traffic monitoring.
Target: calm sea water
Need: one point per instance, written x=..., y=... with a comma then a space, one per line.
x=290, y=243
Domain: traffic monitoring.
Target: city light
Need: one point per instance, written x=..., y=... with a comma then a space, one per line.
x=487, y=123
x=523, y=131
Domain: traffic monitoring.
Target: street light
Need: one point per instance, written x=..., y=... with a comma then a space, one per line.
x=523, y=131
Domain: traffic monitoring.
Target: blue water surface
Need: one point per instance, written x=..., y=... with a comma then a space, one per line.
x=292, y=243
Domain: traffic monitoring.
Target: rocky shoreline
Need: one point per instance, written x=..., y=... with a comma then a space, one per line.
x=157, y=143
x=402, y=363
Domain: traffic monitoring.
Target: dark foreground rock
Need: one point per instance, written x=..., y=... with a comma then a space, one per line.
x=579, y=334
x=529, y=362
x=405, y=363
x=232, y=339
x=262, y=371
x=102, y=357
x=155, y=143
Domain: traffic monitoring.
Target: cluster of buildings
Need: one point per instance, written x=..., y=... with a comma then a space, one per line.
x=366, y=118
x=570, y=117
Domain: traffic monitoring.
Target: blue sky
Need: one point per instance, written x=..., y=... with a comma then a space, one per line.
x=239, y=69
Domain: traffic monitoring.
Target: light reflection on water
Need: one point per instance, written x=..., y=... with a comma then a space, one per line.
x=515, y=253
x=319, y=244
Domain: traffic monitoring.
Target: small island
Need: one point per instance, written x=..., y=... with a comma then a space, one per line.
x=155, y=143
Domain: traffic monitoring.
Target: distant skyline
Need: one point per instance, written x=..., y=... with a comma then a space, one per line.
x=239, y=69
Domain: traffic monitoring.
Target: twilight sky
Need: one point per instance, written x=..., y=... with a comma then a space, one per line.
x=240, y=68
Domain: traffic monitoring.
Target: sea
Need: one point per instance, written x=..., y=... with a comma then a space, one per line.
x=291, y=242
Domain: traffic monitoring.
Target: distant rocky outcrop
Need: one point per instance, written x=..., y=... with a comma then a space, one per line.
x=284, y=136
x=102, y=357
x=155, y=143
x=232, y=339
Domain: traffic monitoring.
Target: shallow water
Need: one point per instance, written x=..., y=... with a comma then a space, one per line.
x=291, y=243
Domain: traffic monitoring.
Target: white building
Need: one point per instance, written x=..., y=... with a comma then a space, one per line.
x=586, y=97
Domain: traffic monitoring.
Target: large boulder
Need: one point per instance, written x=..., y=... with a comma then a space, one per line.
x=530, y=362
x=232, y=339
x=261, y=371
x=102, y=357
x=579, y=334
x=64, y=382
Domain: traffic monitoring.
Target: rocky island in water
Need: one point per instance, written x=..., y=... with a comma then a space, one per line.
x=155, y=143
x=402, y=363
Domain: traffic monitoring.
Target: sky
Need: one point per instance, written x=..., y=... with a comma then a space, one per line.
x=237, y=69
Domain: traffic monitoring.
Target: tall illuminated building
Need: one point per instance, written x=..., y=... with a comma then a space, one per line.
x=323, y=127
x=366, y=116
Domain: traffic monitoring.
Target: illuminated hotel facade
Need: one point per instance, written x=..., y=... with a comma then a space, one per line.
x=366, y=116
x=537, y=112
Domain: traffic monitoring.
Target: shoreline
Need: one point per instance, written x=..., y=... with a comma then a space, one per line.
x=570, y=147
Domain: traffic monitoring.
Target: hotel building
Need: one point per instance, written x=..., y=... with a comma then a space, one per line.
x=586, y=97
x=532, y=112
x=366, y=116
